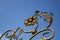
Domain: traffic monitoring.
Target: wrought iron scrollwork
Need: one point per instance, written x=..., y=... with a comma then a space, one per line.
x=29, y=22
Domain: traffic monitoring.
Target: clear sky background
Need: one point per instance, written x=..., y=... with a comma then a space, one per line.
x=14, y=12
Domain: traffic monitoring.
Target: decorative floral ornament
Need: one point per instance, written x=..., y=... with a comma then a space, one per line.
x=30, y=21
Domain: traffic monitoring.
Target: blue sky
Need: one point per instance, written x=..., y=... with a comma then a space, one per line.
x=14, y=12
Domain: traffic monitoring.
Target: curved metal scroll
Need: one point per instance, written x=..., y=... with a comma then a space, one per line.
x=29, y=22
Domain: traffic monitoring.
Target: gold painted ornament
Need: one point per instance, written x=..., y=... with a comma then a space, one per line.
x=30, y=21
